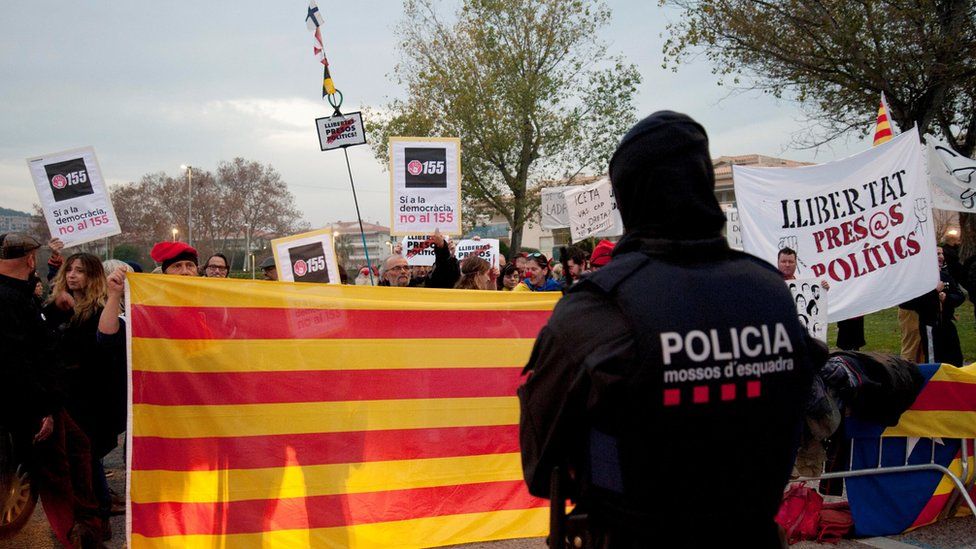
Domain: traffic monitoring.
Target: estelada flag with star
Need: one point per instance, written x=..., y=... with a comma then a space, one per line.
x=884, y=127
x=314, y=20
x=932, y=431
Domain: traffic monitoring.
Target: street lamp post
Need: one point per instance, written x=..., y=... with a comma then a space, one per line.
x=189, y=203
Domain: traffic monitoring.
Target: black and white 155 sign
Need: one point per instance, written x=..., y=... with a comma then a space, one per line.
x=308, y=263
x=68, y=179
x=306, y=257
x=426, y=168
x=425, y=185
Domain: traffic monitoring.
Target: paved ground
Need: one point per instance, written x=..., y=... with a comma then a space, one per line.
x=38, y=535
x=957, y=533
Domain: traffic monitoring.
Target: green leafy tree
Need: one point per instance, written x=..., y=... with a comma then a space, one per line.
x=837, y=56
x=526, y=84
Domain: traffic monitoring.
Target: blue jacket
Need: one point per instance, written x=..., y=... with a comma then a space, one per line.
x=550, y=285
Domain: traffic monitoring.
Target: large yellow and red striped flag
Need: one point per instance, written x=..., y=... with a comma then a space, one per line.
x=312, y=415
x=883, y=128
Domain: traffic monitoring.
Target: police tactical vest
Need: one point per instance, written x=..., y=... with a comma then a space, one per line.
x=714, y=396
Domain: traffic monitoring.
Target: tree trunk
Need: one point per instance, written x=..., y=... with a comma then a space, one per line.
x=518, y=223
x=967, y=232
x=516, y=245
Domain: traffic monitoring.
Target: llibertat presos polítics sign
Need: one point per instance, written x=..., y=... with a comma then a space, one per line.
x=863, y=224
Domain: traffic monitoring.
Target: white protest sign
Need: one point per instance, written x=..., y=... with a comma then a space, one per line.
x=952, y=177
x=307, y=257
x=345, y=130
x=425, y=185
x=590, y=209
x=811, y=305
x=617, y=229
x=486, y=248
x=554, y=215
x=733, y=231
x=863, y=223
x=418, y=250
x=76, y=206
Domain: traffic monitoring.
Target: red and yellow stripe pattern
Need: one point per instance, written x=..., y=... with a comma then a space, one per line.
x=307, y=415
x=882, y=128
x=945, y=492
x=946, y=407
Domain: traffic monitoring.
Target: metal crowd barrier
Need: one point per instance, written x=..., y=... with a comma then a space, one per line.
x=962, y=483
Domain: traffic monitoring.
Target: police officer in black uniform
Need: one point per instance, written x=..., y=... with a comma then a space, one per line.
x=670, y=384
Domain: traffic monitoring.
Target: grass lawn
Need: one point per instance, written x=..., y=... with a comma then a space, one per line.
x=882, y=333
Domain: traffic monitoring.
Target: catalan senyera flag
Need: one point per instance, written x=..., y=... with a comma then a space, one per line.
x=883, y=129
x=936, y=426
x=315, y=415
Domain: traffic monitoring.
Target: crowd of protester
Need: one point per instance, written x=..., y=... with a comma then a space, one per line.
x=529, y=271
x=68, y=348
x=75, y=411
x=65, y=371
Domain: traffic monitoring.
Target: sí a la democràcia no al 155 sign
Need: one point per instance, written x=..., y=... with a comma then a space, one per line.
x=74, y=200
x=425, y=185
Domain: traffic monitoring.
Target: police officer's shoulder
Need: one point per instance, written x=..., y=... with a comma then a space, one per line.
x=753, y=260
x=584, y=319
x=606, y=280
x=590, y=303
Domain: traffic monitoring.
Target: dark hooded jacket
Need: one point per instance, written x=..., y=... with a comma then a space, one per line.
x=27, y=374
x=670, y=383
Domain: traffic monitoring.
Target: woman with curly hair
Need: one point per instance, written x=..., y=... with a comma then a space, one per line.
x=91, y=379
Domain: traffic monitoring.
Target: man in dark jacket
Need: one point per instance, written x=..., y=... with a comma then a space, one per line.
x=27, y=403
x=31, y=406
x=936, y=311
x=670, y=384
x=395, y=271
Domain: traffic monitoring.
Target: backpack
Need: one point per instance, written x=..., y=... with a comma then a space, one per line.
x=804, y=516
x=799, y=514
x=836, y=522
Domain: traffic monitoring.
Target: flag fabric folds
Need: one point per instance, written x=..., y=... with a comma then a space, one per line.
x=932, y=429
x=314, y=415
x=328, y=87
x=313, y=21
x=884, y=127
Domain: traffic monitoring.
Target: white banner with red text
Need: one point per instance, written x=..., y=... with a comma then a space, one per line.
x=863, y=223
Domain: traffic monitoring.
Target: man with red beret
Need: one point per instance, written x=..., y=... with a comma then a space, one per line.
x=176, y=258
